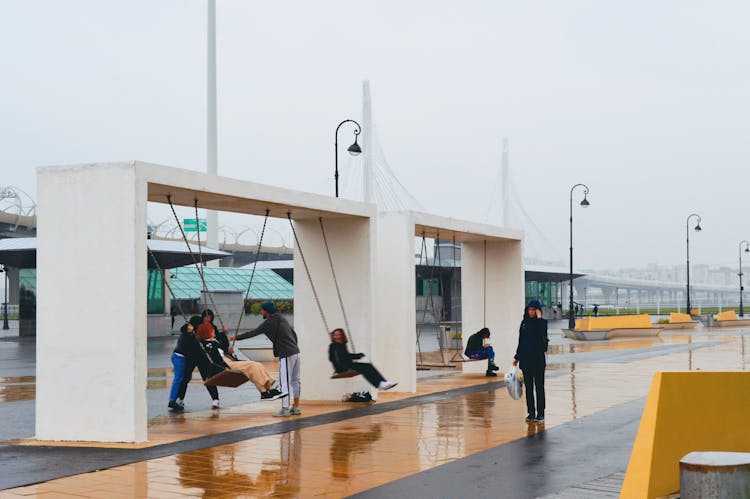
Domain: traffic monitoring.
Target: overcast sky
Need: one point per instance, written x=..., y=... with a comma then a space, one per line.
x=644, y=101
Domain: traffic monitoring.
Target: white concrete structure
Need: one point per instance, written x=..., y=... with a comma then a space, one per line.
x=91, y=380
x=492, y=288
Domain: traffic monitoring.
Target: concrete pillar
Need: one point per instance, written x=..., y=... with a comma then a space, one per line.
x=395, y=300
x=91, y=378
x=14, y=285
x=351, y=244
x=494, y=299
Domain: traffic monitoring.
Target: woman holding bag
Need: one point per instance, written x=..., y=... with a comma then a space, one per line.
x=532, y=347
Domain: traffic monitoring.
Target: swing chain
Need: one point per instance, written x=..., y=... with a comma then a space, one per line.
x=336, y=283
x=307, y=271
x=252, y=275
x=202, y=268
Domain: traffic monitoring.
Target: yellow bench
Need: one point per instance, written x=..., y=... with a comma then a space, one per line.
x=641, y=321
x=675, y=318
x=727, y=315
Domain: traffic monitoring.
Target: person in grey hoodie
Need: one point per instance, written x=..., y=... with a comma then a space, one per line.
x=285, y=347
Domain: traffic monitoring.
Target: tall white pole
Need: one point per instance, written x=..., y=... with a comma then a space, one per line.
x=367, y=173
x=212, y=218
x=505, y=179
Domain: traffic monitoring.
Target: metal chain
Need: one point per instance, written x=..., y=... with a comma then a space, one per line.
x=336, y=283
x=252, y=275
x=202, y=271
x=184, y=238
x=307, y=271
x=422, y=251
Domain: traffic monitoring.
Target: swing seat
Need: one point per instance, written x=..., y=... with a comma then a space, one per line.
x=346, y=374
x=231, y=378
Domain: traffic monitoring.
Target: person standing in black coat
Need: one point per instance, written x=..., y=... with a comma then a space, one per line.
x=531, y=354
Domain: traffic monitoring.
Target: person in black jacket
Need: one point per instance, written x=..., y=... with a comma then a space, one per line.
x=342, y=361
x=532, y=347
x=194, y=357
x=479, y=347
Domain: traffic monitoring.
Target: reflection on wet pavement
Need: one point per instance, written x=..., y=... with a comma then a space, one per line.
x=349, y=456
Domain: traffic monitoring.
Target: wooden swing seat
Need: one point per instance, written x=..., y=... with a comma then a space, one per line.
x=346, y=374
x=231, y=378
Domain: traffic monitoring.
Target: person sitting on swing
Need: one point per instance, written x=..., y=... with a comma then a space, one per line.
x=479, y=347
x=254, y=371
x=343, y=361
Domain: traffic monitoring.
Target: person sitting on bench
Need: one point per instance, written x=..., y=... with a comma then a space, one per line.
x=254, y=371
x=342, y=361
x=479, y=347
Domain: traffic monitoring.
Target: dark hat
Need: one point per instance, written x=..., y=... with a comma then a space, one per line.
x=269, y=307
x=183, y=329
x=534, y=304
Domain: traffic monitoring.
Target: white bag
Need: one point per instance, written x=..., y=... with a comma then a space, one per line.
x=513, y=383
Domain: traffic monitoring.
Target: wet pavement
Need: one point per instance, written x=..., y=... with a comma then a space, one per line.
x=461, y=435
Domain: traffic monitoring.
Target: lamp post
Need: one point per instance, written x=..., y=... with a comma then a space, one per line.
x=353, y=149
x=5, y=298
x=584, y=203
x=747, y=250
x=687, y=234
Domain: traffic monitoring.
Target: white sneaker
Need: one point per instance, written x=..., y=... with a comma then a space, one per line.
x=386, y=385
x=283, y=412
x=215, y=404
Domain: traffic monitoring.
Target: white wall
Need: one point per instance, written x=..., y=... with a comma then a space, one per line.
x=504, y=296
x=395, y=300
x=351, y=245
x=91, y=304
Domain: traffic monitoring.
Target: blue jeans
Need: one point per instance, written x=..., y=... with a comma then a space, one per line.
x=178, y=362
x=485, y=353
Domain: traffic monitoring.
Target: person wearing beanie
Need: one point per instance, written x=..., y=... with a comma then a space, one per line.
x=531, y=355
x=187, y=345
x=285, y=348
x=479, y=347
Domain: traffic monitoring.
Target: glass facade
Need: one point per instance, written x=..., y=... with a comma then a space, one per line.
x=545, y=292
x=155, y=300
x=267, y=284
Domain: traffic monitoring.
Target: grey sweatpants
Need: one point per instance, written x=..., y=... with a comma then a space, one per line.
x=289, y=374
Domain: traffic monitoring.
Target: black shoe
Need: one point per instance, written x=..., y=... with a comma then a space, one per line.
x=494, y=367
x=530, y=419
x=540, y=418
x=272, y=394
x=175, y=406
x=490, y=374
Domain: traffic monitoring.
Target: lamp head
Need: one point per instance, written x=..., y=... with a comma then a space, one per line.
x=354, y=149
x=747, y=250
x=585, y=203
x=698, y=228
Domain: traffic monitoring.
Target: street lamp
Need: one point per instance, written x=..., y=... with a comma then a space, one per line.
x=5, y=298
x=585, y=203
x=687, y=234
x=747, y=250
x=353, y=149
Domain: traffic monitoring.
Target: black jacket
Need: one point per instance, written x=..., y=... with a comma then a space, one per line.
x=187, y=345
x=280, y=332
x=476, y=342
x=341, y=358
x=211, y=348
x=532, y=343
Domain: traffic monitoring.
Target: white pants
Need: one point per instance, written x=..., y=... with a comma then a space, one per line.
x=290, y=378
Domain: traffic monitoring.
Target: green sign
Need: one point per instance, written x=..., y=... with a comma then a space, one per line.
x=191, y=225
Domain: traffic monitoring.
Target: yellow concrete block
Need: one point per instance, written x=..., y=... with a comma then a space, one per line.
x=675, y=318
x=686, y=412
x=615, y=322
x=696, y=312
x=727, y=315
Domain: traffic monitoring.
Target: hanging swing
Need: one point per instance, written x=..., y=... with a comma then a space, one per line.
x=430, y=303
x=460, y=356
x=225, y=377
x=346, y=374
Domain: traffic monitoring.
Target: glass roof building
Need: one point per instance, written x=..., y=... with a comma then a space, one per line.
x=267, y=284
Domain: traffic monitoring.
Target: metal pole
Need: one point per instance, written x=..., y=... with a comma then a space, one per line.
x=742, y=310
x=687, y=247
x=5, y=300
x=571, y=311
x=212, y=217
x=336, y=151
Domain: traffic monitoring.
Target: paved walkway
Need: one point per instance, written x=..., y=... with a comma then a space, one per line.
x=460, y=436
